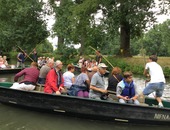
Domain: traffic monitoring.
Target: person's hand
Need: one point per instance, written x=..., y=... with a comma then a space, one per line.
x=126, y=98
x=15, y=80
x=60, y=88
x=104, y=91
x=58, y=93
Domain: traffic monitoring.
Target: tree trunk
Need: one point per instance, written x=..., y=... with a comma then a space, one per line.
x=82, y=45
x=125, y=40
x=60, y=43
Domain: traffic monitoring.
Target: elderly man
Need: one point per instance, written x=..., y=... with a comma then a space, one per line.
x=97, y=85
x=30, y=78
x=44, y=71
x=54, y=80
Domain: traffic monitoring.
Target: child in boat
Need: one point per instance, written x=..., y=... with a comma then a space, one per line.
x=126, y=89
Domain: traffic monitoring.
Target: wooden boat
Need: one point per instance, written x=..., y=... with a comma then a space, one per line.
x=10, y=70
x=87, y=108
x=78, y=69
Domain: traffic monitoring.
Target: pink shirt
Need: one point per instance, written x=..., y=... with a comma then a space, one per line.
x=30, y=74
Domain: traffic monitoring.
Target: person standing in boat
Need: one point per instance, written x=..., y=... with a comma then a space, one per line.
x=21, y=59
x=54, y=80
x=35, y=55
x=98, y=57
x=127, y=90
x=44, y=71
x=157, y=79
x=30, y=78
x=97, y=85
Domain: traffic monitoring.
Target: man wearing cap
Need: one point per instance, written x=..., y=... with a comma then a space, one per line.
x=97, y=85
x=54, y=80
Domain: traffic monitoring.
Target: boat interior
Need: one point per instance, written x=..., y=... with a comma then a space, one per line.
x=144, y=101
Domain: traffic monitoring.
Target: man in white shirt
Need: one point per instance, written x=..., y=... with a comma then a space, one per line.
x=157, y=79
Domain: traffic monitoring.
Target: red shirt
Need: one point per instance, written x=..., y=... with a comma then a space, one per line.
x=30, y=74
x=52, y=81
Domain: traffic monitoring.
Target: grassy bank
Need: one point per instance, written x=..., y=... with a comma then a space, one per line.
x=135, y=64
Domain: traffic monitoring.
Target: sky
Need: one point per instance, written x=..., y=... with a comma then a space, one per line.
x=51, y=21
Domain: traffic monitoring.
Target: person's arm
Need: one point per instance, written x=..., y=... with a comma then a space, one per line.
x=100, y=59
x=61, y=87
x=119, y=91
x=51, y=81
x=93, y=85
x=98, y=89
x=18, y=57
x=19, y=75
x=145, y=72
x=73, y=80
x=136, y=93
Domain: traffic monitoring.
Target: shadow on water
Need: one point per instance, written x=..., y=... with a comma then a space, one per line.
x=13, y=118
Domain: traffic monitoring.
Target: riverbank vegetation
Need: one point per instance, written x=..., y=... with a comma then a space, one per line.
x=124, y=30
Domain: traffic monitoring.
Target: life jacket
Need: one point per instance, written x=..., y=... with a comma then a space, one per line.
x=128, y=90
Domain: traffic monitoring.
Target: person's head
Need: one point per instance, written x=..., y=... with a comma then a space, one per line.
x=70, y=67
x=102, y=68
x=59, y=64
x=95, y=68
x=4, y=57
x=97, y=52
x=153, y=58
x=128, y=76
x=116, y=70
x=50, y=63
x=34, y=64
x=83, y=69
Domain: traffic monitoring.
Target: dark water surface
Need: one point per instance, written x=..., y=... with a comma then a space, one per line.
x=12, y=118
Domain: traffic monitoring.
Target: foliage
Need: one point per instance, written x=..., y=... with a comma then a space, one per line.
x=120, y=22
x=67, y=54
x=21, y=24
x=156, y=40
x=45, y=47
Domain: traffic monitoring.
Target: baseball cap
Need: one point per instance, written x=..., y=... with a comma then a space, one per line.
x=102, y=65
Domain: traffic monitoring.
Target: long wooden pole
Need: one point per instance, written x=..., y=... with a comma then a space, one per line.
x=25, y=53
x=103, y=57
x=30, y=53
x=33, y=49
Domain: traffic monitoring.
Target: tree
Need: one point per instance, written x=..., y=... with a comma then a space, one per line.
x=21, y=24
x=156, y=40
x=124, y=19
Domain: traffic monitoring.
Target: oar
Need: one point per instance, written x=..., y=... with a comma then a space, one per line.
x=103, y=57
x=33, y=49
x=25, y=53
x=30, y=53
x=112, y=92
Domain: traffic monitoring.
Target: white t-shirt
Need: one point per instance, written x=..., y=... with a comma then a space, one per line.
x=68, y=79
x=156, y=72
